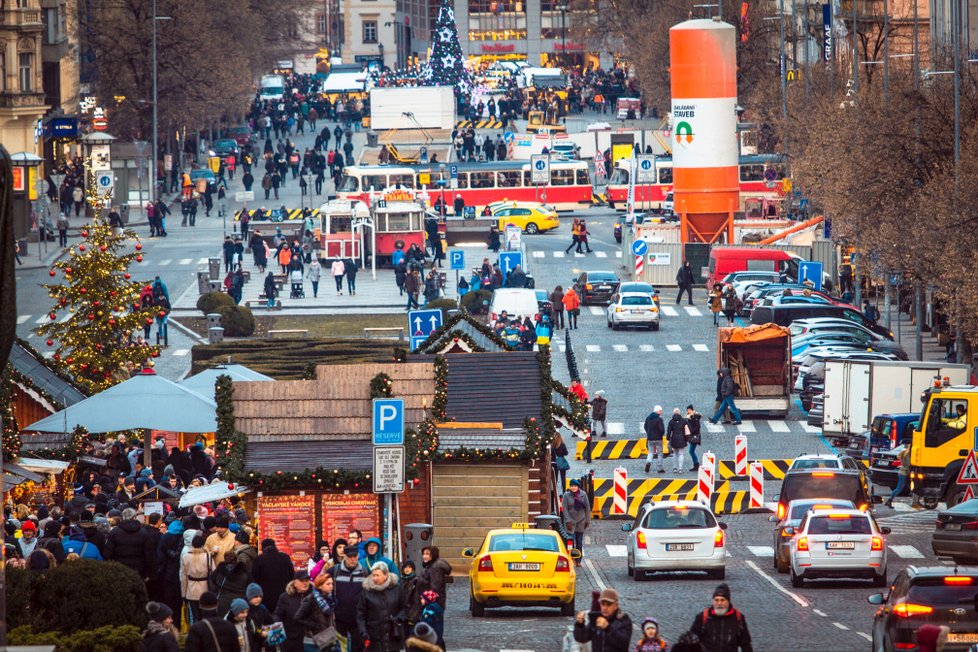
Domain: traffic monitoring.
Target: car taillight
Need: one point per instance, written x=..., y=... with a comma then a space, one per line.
x=640, y=539
x=895, y=464
x=939, y=524
x=563, y=566
x=893, y=435
x=485, y=564
x=864, y=507
x=718, y=539
x=909, y=610
x=958, y=580
x=877, y=543
x=823, y=474
x=973, y=525
x=782, y=509
x=619, y=309
x=803, y=544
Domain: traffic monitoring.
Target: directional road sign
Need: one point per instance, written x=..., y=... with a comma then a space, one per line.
x=388, y=422
x=640, y=247
x=540, y=169
x=810, y=271
x=423, y=322
x=416, y=341
x=456, y=259
x=388, y=473
x=508, y=260
x=509, y=137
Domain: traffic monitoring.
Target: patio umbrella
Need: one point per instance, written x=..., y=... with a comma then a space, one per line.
x=203, y=383
x=145, y=401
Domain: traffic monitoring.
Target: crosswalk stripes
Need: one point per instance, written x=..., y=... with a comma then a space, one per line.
x=692, y=311
x=673, y=347
x=747, y=426
x=616, y=428
x=165, y=262
x=181, y=352
x=761, y=551
x=579, y=255
x=539, y=254
x=713, y=427
x=185, y=261
x=811, y=429
x=906, y=552
x=202, y=261
x=21, y=319
x=912, y=522
x=558, y=254
x=779, y=426
x=646, y=348
x=42, y=319
x=621, y=348
x=601, y=254
x=669, y=311
x=700, y=347
x=592, y=348
x=617, y=254
x=595, y=310
x=616, y=550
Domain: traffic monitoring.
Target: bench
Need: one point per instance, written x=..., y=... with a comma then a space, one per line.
x=288, y=332
x=252, y=305
x=385, y=332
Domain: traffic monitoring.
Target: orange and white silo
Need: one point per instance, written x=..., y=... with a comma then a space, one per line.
x=703, y=73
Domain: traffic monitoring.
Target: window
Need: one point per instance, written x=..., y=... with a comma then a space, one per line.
x=560, y=177
x=370, y=31
x=403, y=180
x=3, y=69
x=482, y=179
x=946, y=419
x=752, y=173
x=670, y=517
x=583, y=179
x=516, y=542
x=375, y=181
x=54, y=22
x=665, y=175
x=26, y=61
x=320, y=23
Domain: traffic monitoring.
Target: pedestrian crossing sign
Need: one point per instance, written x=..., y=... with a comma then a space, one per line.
x=969, y=472
x=969, y=494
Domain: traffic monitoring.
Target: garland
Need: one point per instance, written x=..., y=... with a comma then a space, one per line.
x=381, y=386
x=439, y=405
x=421, y=447
x=231, y=442
x=445, y=328
x=400, y=354
x=69, y=453
x=11, y=431
x=578, y=416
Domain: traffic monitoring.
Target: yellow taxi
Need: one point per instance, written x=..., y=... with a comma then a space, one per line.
x=531, y=216
x=522, y=566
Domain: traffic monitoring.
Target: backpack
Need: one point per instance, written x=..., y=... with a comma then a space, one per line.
x=736, y=613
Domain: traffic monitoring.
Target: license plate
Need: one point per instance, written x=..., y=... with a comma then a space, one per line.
x=637, y=312
x=962, y=638
x=604, y=287
x=524, y=567
x=840, y=545
x=679, y=547
x=952, y=526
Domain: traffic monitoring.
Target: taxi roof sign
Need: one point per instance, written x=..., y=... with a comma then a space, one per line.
x=521, y=526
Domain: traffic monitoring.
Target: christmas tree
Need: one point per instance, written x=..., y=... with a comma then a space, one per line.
x=95, y=339
x=11, y=431
x=446, y=65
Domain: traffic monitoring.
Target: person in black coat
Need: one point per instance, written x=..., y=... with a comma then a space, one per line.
x=51, y=541
x=168, y=566
x=272, y=571
x=286, y=609
x=153, y=535
x=259, y=617
x=720, y=627
x=676, y=432
x=349, y=576
x=201, y=463
x=229, y=581
x=202, y=634
x=685, y=281
x=182, y=465
x=609, y=629
x=159, y=635
x=128, y=544
x=382, y=610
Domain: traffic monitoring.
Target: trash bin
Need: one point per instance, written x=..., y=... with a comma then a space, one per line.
x=371, y=139
x=213, y=319
x=124, y=213
x=214, y=266
x=203, y=282
x=215, y=335
x=213, y=286
x=416, y=537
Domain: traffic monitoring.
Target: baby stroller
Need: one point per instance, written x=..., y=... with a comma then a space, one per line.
x=295, y=280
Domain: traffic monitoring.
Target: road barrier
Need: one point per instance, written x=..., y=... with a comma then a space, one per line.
x=756, y=486
x=705, y=478
x=489, y=123
x=740, y=455
x=620, y=502
x=725, y=499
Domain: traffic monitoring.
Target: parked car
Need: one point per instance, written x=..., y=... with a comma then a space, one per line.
x=638, y=286
x=225, y=147
x=785, y=315
x=784, y=528
x=838, y=543
x=633, y=309
x=956, y=533
x=596, y=287
x=680, y=535
x=241, y=134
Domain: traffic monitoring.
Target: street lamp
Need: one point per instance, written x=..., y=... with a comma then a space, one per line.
x=156, y=117
x=562, y=8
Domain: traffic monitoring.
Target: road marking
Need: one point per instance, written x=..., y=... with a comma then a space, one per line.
x=616, y=551
x=808, y=428
x=558, y=254
x=747, y=426
x=22, y=319
x=907, y=552
x=164, y=263
x=601, y=254
x=794, y=596
x=646, y=348
x=819, y=612
x=673, y=347
x=539, y=254
x=700, y=347
x=902, y=507
x=621, y=348
x=669, y=311
x=692, y=311
x=577, y=255
x=181, y=352
x=587, y=539
x=761, y=551
x=865, y=636
x=617, y=254
x=840, y=626
x=562, y=347
x=594, y=574
x=616, y=428
x=185, y=261
x=42, y=319
x=595, y=310
x=202, y=261
x=714, y=427
x=593, y=348
x=779, y=426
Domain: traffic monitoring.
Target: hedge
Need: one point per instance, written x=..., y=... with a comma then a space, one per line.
x=477, y=302
x=104, y=639
x=213, y=302
x=238, y=321
x=87, y=594
x=288, y=359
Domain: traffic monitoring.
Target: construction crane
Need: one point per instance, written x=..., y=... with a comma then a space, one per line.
x=387, y=139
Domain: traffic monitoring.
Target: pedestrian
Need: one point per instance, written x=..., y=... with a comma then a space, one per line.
x=433, y=615
x=286, y=608
x=559, y=453
x=271, y=290
x=62, y=230
x=582, y=234
x=575, y=237
x=721, y=627
x=845, y=278
x=676, y=432
x=870, y=312
x=933, y=638
x=266, y=185
x=599, y=413
x=349, y=577
x=159, y=635
x=379, y=610
x=730, y=304
x=412, y=286
x=212, y=633
x=228, y=249
x=350, y=269
x=434, y=574
x=903, y=472
x=315, y=270
x=317, y=613
x=728, y=388
x=245, y=220
x=337, y=269
x=78, y=198
x=557, y=301
x=572, y=304
x=609, y=629
x=655, y=430
x=651, y=640
x=693, y=436
x=400, y=273
x=685, y=280
x=229, y=581
x=577, y=514
x=494, y=238
x=716, y=302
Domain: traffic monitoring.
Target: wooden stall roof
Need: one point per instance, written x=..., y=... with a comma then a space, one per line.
x=285, y=456
x=494, y=387
x=335, y=406
x=45, y=378
x=482, y=438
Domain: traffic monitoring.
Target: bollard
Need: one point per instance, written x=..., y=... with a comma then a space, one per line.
x=740, y=455
x=704, y=481
x=203, y=282
x=756, y=485
x=214, y=267
x=215, y=335
x=620, y=503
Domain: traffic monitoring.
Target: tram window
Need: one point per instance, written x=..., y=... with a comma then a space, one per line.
x=582, y=178
x=561, y=177
x=665, y=175
x=508, y=179
x=374, y=181
x=399, y=222
x=349, y=184
x=482, y=179
x=752, y=173
x=526, y=179
x=406, y=180
x=463, y=180
x=339, y=224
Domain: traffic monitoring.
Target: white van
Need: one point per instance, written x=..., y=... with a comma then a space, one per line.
x=272, y=87
x=517, y=302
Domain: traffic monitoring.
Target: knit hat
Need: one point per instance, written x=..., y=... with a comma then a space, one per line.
x=114, y=513
x=430, y=595
x=42, y=512
x=608, y=595
x=254, y=591
x=722, y=591
x=240, y=515
x=208, y=600
x=221, y=521
x=238, y=605
x=425, y=632
x=267, y=543
x=197, y=541
x=575, y=483
x=209, y=523
x=650, y=621
x=52, y=529
x=242, y=537
x=158, y=611
x=28, y=526
x=86, y=516
x=78, y=488
x=302, y=576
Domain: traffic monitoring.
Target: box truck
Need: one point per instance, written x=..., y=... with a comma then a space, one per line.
x=858, y=390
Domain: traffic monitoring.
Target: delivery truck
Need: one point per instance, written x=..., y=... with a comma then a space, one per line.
x=858, y=390
x=759, y=360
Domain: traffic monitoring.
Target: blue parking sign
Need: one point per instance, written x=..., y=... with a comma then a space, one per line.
x=388, y=422
x=456, y=259
x=810, y=271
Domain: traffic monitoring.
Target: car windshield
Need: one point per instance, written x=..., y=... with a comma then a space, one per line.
x=844, y=486
x=636, y=301
x=637, y=287
x=815, y=464
x=839, y=524
x=674, y=517
x=601, y=276
x=523, y=541
x=934, y=591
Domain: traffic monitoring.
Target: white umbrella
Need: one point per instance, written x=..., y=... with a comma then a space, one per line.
x=207, y=493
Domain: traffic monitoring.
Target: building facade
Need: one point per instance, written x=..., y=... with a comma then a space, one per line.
x=369, y=34
x=22, y=97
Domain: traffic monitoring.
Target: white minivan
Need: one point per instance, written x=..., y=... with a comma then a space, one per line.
x=517, y=302
x=272, y=87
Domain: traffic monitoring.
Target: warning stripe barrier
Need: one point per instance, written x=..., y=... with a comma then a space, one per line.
x=725, y=500
x=293, y=213
x=491, y=123
x=599, y=198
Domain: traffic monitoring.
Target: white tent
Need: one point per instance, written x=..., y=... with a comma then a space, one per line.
x=345, y=82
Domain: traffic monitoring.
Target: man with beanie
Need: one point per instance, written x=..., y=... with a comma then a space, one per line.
x=28, y=539
x=213, y=633
x=221, y=541
x=272, y=571
x=51, y=541
x=609, y=629
x=655, y=429
x=168, y=566
x=159, y=635
x=78, y=500
x=259, y=617
x=244, y=551
x=694, y=437
x=720, y=627
x=348, y=578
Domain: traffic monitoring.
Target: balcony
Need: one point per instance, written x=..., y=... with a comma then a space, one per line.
x=23, y=20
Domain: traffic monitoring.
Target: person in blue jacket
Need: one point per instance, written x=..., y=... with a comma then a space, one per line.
x=373, y=547
x=76, y=542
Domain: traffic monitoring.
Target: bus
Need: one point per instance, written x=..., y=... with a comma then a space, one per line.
x=479, y=184
x=760, y=178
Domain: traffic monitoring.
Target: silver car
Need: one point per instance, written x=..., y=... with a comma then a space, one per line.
x=633, y=309
x=676, y=535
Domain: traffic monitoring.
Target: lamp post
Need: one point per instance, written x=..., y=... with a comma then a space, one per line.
x=156, y=116
x=562, y=8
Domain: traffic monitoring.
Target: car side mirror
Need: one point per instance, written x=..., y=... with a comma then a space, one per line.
x=885, y=530
x=627, y=527
x=772, y=519
x=722, y=526
x=876, y=598
x=777, y=497
x=575, y=553
x=468, y=552
x=789, y=530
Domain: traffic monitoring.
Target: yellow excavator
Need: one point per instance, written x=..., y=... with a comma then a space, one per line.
x=387, y=139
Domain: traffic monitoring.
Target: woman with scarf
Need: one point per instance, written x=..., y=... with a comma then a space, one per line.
x=317, y=613
x=577, y=514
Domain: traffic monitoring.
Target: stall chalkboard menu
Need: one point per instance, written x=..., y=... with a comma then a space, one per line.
x=290, y=521
x=345, y=512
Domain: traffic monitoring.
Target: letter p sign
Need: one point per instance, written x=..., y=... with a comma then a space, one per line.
x=388, y=422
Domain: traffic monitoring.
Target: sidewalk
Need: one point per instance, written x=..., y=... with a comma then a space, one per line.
x=905, y=332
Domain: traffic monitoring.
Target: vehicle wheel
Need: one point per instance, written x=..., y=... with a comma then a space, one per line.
x=615, y=327
x=929, y=502
x=954, y=495
x=532, y=228
x=638, y=575
x=477, y=610
x=631, y=569
x=796, y=580
x=782, y=566
x=655, y=326
x=881, y=580
x=567, y=609
x=717, y=574
x=774, y=559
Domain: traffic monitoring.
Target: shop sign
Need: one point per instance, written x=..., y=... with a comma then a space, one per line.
x=496, y=48
x=560, y=46
x=289, y=520
x=398, y=195
x=66, y=127
x=345, y=512
x=18, y=178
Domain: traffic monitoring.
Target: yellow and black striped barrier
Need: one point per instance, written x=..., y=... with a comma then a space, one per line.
x=773, y=469
x=640, y=491
x=488, y=123
x=613, y=449
x=599, y=199
x=292, y=214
